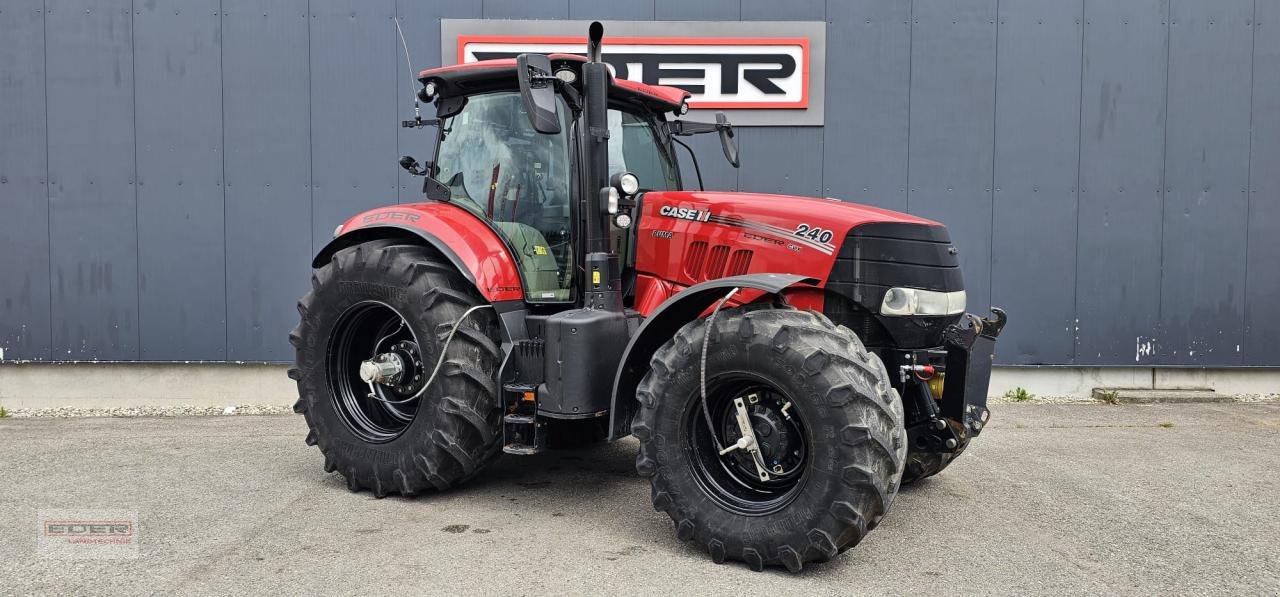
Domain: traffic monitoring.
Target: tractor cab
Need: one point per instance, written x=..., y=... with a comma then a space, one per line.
x=513, y=148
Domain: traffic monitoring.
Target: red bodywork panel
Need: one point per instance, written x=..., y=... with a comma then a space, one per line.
x=476, y=245
x=687, y=237
x=662, y=97
x=683, y=238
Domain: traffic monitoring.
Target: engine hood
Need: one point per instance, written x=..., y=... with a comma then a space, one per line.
x=857, y=252
x=785, y=211
x=769, y=233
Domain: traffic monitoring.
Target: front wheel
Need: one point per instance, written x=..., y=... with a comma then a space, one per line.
x=828, y=429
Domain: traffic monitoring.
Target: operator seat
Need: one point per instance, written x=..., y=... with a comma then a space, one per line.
x=541, y=273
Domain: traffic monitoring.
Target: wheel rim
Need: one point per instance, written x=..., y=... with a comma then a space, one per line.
x=733, y=481
x=363, y=331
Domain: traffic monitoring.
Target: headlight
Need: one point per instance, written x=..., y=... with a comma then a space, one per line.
x=622, y=221
x=567, y=75
x=626, y=183
x=914, y=301
x=629, y=183
x=611, y=205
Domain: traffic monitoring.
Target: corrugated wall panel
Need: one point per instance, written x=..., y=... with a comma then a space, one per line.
x=717, y=174
x=181, y=253
x=1262, y=289
x=1037, y=162
x=792, y=10
x=268, y=173
x=778, y=159
x=1206, y=182
x=634, y=10
x=420, y=22
x=24, y=246
x=1121, y=177
x=524, y=9
x=355, y=59
x=868, y=102
x=256, y=131
x=953, y=74
x=684, y=10
x=93, y=204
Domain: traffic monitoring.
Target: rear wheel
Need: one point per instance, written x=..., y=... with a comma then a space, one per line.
x=394, y=306
x=828, y=425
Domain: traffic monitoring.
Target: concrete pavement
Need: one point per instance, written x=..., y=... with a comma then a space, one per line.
x=1052, y=498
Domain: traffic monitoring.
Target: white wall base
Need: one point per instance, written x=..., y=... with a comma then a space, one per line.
x=1079, y=382
x=106, y=385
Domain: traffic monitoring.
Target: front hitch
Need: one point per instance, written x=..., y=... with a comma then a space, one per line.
x=971, y=350
x=948, y=392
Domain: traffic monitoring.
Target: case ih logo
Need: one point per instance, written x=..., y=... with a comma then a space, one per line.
x=720, y=72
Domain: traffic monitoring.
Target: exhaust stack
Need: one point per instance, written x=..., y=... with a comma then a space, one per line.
x=595, y=33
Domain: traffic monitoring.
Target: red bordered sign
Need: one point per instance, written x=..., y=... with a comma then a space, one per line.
x=720, y=72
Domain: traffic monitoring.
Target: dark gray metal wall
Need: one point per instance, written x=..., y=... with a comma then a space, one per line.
x=1110, y=169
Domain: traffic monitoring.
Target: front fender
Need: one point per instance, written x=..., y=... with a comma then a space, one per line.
x=662, y=324
x=466, y=240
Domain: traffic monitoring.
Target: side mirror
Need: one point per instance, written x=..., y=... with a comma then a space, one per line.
x=538, y=92
x=726, y=139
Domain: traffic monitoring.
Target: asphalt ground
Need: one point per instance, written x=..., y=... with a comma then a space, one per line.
x=1051, y=499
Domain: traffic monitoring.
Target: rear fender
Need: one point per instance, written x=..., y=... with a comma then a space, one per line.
x=464, y=239
x=663, y=322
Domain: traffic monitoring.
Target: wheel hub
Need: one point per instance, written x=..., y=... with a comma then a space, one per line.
x=771, y=433
x=778, y=444
x=411, y=379
x=375, y=371
x=765, y=470
x=386, y=369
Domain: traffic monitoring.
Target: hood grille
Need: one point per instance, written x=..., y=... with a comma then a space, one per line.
x=704, y=262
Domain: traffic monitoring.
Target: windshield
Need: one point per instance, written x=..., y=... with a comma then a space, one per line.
x=634, y=147
x=498, y=167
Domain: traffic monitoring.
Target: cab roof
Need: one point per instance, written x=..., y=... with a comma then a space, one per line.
x=492, y=75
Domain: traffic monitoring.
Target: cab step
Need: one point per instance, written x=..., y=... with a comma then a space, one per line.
x=521, y=431
x=521, y=435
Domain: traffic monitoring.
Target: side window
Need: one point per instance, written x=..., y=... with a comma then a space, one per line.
x=497, y=167
x=634, y=148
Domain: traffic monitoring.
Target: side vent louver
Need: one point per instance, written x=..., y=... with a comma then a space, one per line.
x=703, y=262
x=693, y=259
x=715, y=265
x=740, y=263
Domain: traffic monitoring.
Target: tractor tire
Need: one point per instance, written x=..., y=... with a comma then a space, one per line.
x=451, y=429
x=842, y=431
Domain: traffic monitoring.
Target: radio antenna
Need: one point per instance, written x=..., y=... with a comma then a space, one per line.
x=417, y=111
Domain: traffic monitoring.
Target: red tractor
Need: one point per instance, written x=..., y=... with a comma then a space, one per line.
x=784, y=362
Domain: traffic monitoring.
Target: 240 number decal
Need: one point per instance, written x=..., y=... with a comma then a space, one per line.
x=821, y=235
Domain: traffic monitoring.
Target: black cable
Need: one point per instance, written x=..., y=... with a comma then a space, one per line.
x=694, y=157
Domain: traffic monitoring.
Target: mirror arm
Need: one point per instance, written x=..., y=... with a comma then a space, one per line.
x=685, y=128
x=571, y=96
x=418, y=122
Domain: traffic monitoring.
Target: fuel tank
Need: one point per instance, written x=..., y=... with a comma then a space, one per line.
x=857, y=252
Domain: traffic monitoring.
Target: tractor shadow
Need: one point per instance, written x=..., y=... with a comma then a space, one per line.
x=572, y=483
x=592, y=470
